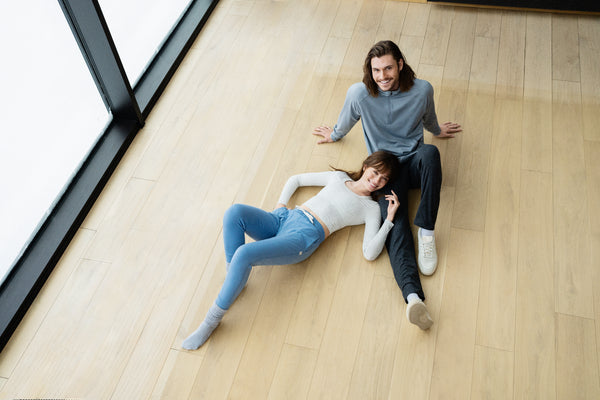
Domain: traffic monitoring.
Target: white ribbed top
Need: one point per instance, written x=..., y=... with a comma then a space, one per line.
x=338, y=206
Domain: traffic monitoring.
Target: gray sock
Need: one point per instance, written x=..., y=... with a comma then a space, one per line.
x=211, y=321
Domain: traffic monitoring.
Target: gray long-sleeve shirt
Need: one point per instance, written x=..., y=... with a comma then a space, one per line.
x=393, y=121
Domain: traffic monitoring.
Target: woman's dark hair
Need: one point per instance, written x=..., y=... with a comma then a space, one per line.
x=383, y=161
x=380, y=49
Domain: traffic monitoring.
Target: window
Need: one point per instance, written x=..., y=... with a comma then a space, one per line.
x=50, y=87
x=51, y=113
x=138, y=27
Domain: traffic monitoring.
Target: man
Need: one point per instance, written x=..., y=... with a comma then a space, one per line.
x=395, y=107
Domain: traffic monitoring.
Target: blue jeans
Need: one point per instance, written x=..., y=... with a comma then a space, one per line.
x=281, y=237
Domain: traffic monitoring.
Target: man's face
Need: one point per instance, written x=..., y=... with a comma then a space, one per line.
x=386, y=72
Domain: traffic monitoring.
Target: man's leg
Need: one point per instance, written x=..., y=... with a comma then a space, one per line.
x=399, y=242
x=425, y=172
x=401, y=251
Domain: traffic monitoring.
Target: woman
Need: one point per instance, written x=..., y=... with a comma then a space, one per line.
x=287, y=236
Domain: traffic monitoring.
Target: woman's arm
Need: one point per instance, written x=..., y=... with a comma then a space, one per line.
x=375, y=235
x=296, y=181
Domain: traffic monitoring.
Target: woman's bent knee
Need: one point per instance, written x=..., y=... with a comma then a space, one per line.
x=233, y=213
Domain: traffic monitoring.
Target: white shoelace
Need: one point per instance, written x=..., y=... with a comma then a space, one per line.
x=427, y=246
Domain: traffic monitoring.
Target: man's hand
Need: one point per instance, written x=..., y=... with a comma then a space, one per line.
x=448, y=129
x=325, y=132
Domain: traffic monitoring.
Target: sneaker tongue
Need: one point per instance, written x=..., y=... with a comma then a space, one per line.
x=427, y=239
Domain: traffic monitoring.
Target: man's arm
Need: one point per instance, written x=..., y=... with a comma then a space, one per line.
x=348, y=117
x=445, y=130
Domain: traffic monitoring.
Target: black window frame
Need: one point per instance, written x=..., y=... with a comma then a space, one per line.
x=128, y=109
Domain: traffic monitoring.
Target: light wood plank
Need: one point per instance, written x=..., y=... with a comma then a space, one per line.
x=455, y=346
x=311, y=311
x=595, y=243
x=437, y=36
x=472, y=179
x=392, y=21
x=537, y=82
x=333, y=370
x=509, y=81
x=488, y=23
x=589, y=57
x=110, y=237
x=177, y=375
x=576, y=366
x=378, y=341
x=457, y=66
x=592, y=173
x=452, y=99
x=451, y=106
x=492, y=373
x=294, y=372
x=496, y=313
x=571, y=229
x=535, y=353
x=472, y=175
x=345, y=19
x=56, y=348
x=25, y=333
x=266, y=338
x=537, y=104
x=482, y=78
x=415, y=23
x=565, y=49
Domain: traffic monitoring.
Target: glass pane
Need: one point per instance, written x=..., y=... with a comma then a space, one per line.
x=138, y=28
x=51, y=116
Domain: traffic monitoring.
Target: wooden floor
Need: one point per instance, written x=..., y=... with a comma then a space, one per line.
x=516, y=297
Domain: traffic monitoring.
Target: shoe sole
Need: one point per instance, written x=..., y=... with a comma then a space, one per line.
x=419, y=316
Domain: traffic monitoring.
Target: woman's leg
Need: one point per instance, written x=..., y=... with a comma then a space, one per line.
x=297, y=239
x=241, y=219
x=238, y=220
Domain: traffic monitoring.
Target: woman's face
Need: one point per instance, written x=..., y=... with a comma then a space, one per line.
x=373, y=180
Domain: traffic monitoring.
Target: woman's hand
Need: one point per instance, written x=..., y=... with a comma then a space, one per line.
x=393, y=205
x=279, y=205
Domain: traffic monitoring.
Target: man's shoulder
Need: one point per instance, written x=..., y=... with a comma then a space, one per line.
x=423, y=85
x=358, y=91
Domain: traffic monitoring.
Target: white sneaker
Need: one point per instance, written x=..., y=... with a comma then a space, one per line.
x=416, y=312
x=427, y=258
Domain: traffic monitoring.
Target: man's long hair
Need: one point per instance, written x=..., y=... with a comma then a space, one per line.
x=380, y=49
